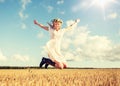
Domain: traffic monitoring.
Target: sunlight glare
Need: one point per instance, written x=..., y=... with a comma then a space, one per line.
x=103, y=3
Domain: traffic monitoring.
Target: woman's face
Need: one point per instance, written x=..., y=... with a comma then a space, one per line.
x=57, y=25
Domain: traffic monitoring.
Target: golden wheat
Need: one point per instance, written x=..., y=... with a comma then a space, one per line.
x=57, y=77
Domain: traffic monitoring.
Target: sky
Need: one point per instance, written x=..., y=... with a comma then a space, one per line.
x=94, y=42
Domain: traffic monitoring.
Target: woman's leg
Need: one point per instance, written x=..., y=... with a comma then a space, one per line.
x=47, y=62
x=59, y=65
x=64, y=65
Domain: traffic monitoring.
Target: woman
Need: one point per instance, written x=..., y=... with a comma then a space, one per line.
x=53, y=45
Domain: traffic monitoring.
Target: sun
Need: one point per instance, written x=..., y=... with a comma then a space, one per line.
x=102, y=3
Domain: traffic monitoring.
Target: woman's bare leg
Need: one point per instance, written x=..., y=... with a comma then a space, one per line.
x=59, y=65
x=64, y=65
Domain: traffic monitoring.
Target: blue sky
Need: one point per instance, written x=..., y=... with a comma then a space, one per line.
x=94, y=42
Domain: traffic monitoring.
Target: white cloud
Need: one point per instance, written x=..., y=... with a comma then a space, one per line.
x=49, y=8
x=83, y=45
x=2, y=57
x=81, y=5
x=66, y=43
x=112, y=16
x=24, y=3
x=43, y=52
x=21, y=12
x=75, y=8
x=23, y=26
x=114, y=53
x=2, y=1
x=22, y=15
x=72, y=56
x=60, y=1
x=22, y=58
x=62, y=12
x=94, y=47
x=40, y=35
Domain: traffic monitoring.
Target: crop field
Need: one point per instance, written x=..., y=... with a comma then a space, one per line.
x=58, y=77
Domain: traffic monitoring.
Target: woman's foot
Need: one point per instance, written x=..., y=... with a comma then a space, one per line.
x=47, y=61
x=46, y=66
x=42, y=62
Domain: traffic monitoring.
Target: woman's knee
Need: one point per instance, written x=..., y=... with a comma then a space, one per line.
x=65, y=66
x=60, y=65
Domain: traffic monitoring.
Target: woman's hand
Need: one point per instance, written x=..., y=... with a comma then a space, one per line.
x=77, y=20
x=35, y=22
x=41, y=25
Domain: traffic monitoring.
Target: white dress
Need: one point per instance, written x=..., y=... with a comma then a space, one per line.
x=53, y=45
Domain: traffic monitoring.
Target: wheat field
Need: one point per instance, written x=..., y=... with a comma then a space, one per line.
x=57, y=77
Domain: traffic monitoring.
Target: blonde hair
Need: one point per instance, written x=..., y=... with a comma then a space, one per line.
x=57, y=20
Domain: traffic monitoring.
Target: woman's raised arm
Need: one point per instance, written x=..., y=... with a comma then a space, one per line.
x=41, y=25
x=71, y=26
